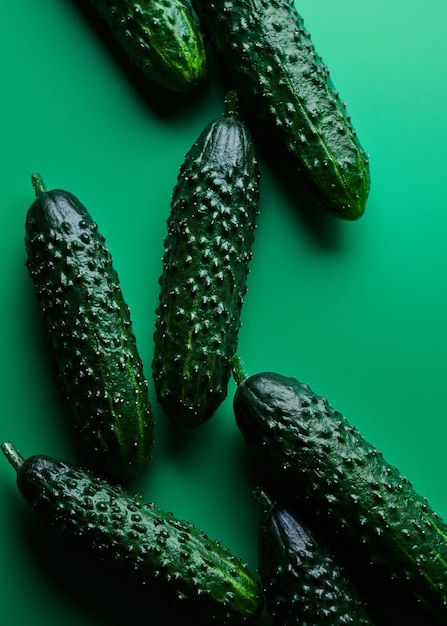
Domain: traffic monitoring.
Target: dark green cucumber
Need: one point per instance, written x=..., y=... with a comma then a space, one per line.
x=304, y=584
x=270, y=59
x=316, y=456
x=137, y=540
x=89, y=328
x=161, y=37
x=205, y=266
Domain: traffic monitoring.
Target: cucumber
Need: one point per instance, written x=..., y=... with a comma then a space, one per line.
x=161, y=37
x=304, y=584
x=206, y=258
x=137, y=540
x=89, y=328
x=363, y=503
x=269, y=57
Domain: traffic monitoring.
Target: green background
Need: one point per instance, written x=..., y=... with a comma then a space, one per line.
x=358, y=310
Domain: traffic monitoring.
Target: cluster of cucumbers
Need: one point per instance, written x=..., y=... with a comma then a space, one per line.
x=337, y=515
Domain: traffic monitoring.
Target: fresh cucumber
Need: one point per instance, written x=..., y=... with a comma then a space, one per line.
x=206, y=260
x=317, y=458
x=283, y=83
x=137, y=540
x=161, y=37
x=90, y=331
x=304, y=584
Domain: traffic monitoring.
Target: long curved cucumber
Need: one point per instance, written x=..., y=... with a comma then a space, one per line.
x=269, y=57
x=89, y=328
x=138, y=541
x=206, y=259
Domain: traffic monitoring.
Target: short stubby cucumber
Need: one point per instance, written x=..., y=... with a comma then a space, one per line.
x=316, y=457
x=304, y=584
x=283, y=83
x=161, y=37
x=207, y=251
x=137, y=540
x=89, y=328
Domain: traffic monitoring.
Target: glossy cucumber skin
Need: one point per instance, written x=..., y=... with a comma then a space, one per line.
x=315, y=456
x=284, y=84
x=161, y=37
x=303, y=582
x=89, y=328
x=140, y=542
x=205, y=266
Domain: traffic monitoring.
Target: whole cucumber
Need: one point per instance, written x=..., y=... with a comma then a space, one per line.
x=89, y=328
x=317, y=458
x=206, y=258
x=284, y=85
x=161, y=37
x=137, y=540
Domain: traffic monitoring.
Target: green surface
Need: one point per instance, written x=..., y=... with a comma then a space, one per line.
x=357, y=310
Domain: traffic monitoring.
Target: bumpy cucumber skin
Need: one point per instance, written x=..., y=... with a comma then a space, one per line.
x=205, y=266
x=161, y=37
x=139, y=541
x=319, y=458
x=282, y=81
x=303, y=582
x=90, y=331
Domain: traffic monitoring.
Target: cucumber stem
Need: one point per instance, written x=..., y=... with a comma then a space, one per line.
x=13, y=455
x=263, y=498
x=239, y=374
x=38, y=184
x=231, y=104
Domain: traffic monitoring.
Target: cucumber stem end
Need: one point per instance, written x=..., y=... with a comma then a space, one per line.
x=13, y=455
x=231, y=104
x=237, y=370
x=38, y=184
